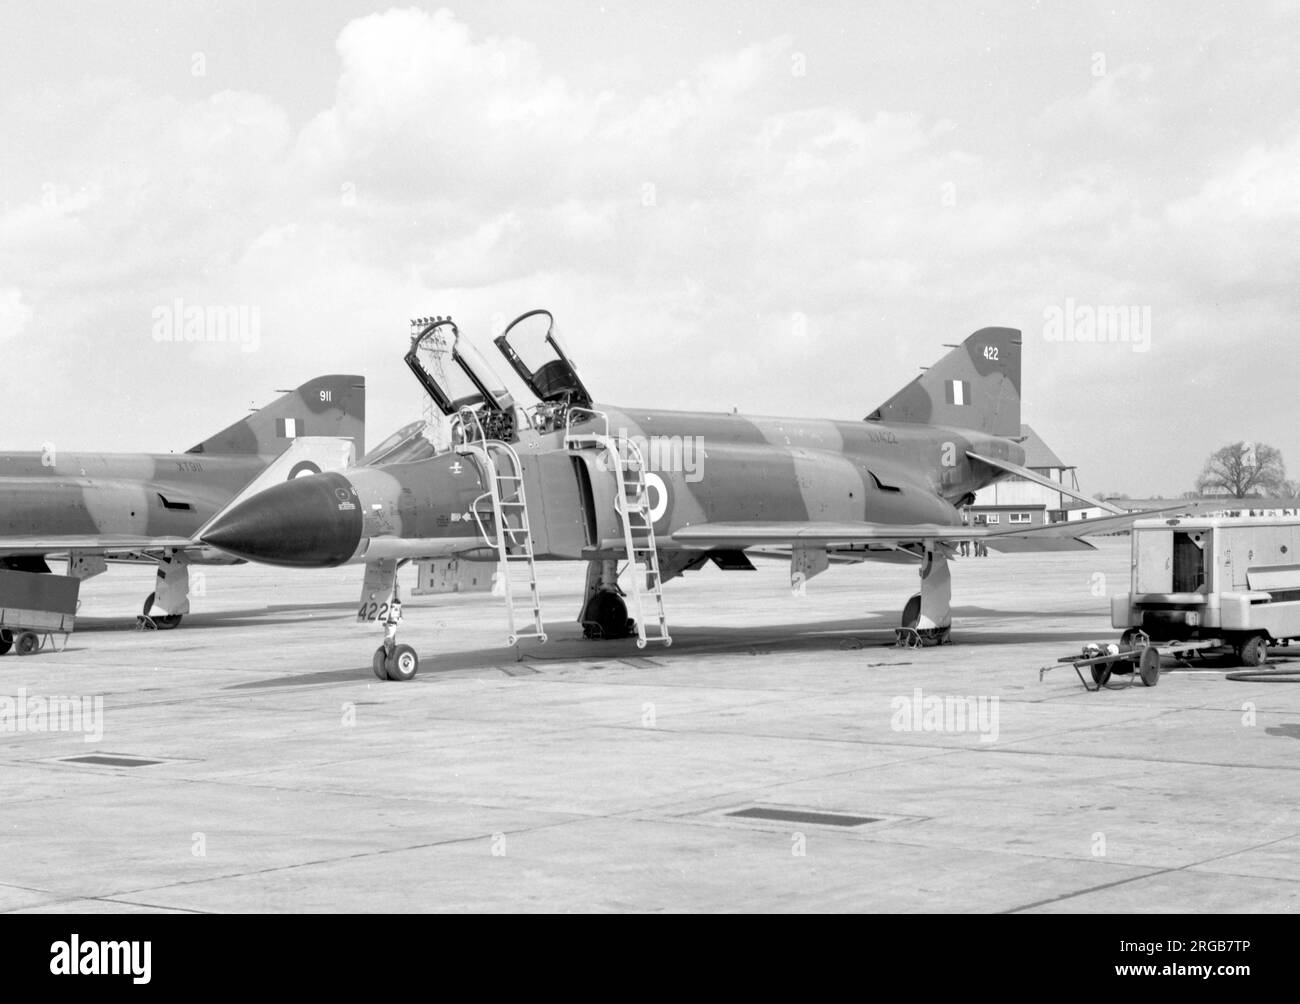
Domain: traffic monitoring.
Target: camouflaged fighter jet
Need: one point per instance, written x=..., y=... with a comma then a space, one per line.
x=547, y=474
x=91, y=508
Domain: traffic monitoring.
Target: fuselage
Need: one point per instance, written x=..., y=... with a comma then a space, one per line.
x=702, y=468
x=76, y=495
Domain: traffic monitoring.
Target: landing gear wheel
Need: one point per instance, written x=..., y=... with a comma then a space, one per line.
x=158, y=622
x=403, y=665
x=28, y=642
x=1149, y=666
x=609, y=613
x=378, y=663
x=1254, y=651
x=6, y=641
x=912, y=612
x=1101, y=674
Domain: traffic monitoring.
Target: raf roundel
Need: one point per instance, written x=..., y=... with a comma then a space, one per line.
x=658, y=492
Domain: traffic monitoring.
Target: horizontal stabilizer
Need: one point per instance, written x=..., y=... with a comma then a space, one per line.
x=1038, y=479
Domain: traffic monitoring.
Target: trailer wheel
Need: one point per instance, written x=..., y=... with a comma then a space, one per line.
x=6, y=641
x=28, y=642
x=1253, y=651
x=1149, y=666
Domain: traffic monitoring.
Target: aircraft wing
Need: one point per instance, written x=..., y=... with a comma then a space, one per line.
x=107, y=543
x=1052, y=537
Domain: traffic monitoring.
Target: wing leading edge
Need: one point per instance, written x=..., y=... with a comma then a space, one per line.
x=1052, y=537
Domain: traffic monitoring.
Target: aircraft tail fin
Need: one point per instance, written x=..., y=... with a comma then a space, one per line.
x=975, y=386
x=332, y=405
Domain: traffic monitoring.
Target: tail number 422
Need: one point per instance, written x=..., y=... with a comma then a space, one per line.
x=991, y=352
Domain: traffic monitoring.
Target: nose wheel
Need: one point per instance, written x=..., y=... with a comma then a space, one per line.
x=399, y=664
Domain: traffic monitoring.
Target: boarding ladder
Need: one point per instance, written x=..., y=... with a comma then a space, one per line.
x=632, y=502
x=505, y=505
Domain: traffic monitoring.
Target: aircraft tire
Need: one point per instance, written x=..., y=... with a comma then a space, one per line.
x=611, y=616
x=380, y=663
x=161, y=622
x=404, y=664
x=912, y=612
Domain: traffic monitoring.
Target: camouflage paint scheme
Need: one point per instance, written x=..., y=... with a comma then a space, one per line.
x=138, y=506
x=890, y=487
x=765, y=473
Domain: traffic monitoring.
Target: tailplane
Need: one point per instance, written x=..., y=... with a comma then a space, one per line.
x=326, y=406
x=975, y=386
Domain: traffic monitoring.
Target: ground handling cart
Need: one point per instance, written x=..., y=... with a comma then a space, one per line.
x=1199, y=587
x=34, y=607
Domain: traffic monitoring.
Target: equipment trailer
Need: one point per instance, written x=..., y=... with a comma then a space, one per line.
x=1201, y=585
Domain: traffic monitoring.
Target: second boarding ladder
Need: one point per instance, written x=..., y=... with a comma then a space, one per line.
x=508, y=511
x=632, y=502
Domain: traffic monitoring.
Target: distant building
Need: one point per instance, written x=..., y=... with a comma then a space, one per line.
x=1016, y=502
x=1209, y=505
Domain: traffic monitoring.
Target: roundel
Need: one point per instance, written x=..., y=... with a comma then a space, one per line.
x=302, y=468
x=657, y=495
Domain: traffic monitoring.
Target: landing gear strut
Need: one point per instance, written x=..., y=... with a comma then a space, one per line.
x=391, y=661
x=927, y=617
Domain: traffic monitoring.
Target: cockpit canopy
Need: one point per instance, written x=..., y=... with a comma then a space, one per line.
x=532, y=346
x=404, y=446
x=451, y=370
x=464, y=387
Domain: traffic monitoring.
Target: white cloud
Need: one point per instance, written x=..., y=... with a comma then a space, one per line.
x=14, y=314
x=448, y=170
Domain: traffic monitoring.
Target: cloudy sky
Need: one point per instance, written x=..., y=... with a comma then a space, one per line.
x=783, y=208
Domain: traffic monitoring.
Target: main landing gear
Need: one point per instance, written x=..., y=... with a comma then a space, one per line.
x=927, y=617
x=156, y=622
x=604, y=614
x=171, y=594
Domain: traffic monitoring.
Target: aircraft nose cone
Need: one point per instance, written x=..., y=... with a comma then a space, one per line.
x=309, y=522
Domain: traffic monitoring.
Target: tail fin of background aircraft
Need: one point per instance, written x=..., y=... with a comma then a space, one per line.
x=326, y=406
x=975, y=386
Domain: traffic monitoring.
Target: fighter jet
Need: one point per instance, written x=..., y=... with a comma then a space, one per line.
x=544, y=473
x=91, y=508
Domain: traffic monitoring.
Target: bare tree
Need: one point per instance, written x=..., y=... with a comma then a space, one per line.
x=1241, y=470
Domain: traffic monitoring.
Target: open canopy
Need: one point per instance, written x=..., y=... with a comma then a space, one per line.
x=532, y=346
